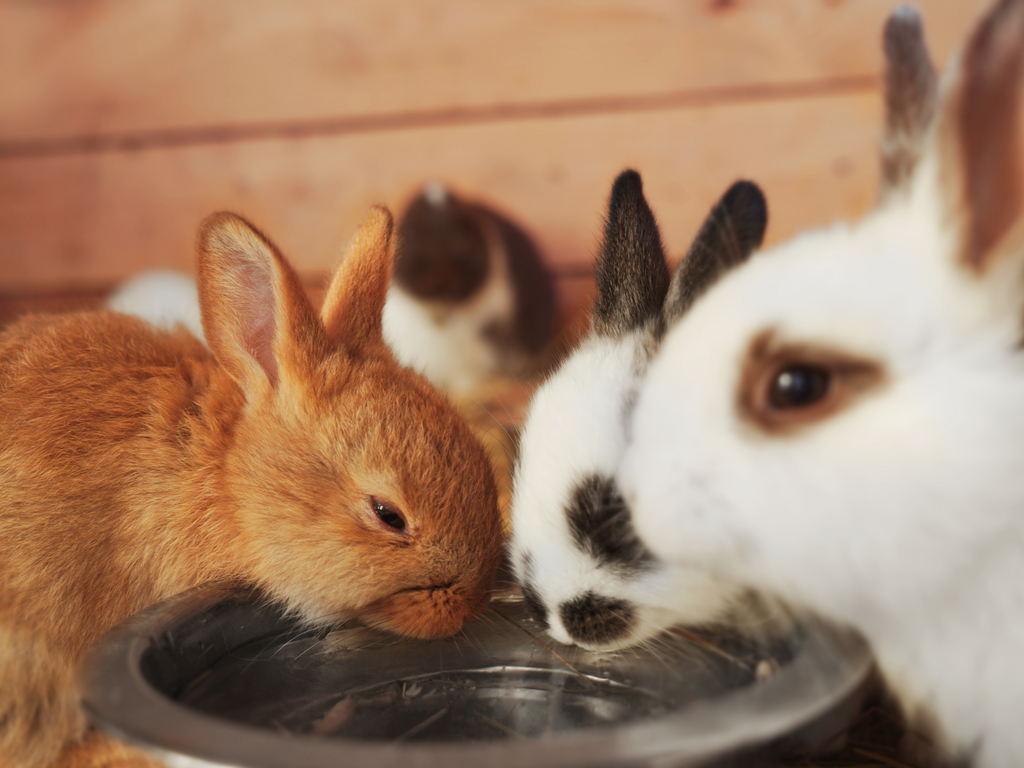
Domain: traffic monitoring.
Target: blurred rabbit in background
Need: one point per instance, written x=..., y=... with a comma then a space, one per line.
x=470, y=299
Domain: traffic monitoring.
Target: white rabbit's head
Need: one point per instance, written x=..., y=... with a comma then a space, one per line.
x=841, y=421
x=582, y=569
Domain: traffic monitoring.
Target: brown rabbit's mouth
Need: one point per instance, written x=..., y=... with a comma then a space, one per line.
x=426, y=612
x=427, y=588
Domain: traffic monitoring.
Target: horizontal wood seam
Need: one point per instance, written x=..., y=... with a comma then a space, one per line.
x=134, y=141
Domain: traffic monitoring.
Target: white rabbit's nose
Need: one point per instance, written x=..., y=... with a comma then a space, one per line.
x=594, y=621
x=556, y=631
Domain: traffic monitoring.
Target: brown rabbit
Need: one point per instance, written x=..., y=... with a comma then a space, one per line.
x=297, y=456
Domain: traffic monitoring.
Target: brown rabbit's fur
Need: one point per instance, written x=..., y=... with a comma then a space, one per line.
x=135, y=464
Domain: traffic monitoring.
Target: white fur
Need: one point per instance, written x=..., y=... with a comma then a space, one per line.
x=575, y=429
x=902, y=515
x=445, y=341
x=162, y=297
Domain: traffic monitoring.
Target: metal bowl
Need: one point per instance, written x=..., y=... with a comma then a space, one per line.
x=221, y=676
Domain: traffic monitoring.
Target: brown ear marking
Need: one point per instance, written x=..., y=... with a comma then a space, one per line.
x=848, y=378
x=984, y=115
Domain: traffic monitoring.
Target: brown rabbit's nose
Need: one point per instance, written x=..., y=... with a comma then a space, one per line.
x=427, y=612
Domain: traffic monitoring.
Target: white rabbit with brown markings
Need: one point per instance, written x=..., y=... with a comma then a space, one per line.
x=585, y=575
x=842, y=422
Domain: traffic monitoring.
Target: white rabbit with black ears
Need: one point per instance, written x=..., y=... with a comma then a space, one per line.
x=842, y=423
x=585, y=575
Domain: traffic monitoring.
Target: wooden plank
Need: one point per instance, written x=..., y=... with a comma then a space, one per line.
x=107, y=66
x=97, y=218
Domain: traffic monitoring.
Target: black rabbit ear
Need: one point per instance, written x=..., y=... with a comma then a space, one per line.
x=732, y=231
x=911, y=88
x=632, y=277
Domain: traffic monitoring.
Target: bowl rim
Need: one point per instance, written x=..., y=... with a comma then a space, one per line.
x=828, y=671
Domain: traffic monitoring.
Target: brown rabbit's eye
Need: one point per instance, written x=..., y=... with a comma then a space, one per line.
x=388, y=516
x=798, y=386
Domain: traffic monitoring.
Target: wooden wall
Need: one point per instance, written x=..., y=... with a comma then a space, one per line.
x=124, y=122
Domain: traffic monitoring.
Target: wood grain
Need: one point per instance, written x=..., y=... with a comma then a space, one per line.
x=123, y=124
x=107, y=66
x=96, y=218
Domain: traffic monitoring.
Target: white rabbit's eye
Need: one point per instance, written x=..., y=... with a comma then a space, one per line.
x=798, y=386
x=787, y=387
x=387, y=515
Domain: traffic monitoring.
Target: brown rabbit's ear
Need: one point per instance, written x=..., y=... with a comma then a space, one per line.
x=911, y=93
x=256, y=317
x=980, y=134
x=354, y=303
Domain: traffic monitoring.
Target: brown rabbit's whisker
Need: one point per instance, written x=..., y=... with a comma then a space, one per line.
x=497, y=398
x=549, y=649
x=502, y=427
x=487, y=619
x=422, y=725
x=707, y=644
x=501, y=727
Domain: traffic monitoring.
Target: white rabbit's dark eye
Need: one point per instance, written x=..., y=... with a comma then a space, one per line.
x=388, y=516
x=798, y=386
x=788, y=387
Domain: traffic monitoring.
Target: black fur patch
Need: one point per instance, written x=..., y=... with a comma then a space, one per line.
x=440, y=252
x=632, y=276
x=593, y=619
x=602, y=526
x=533, y=601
